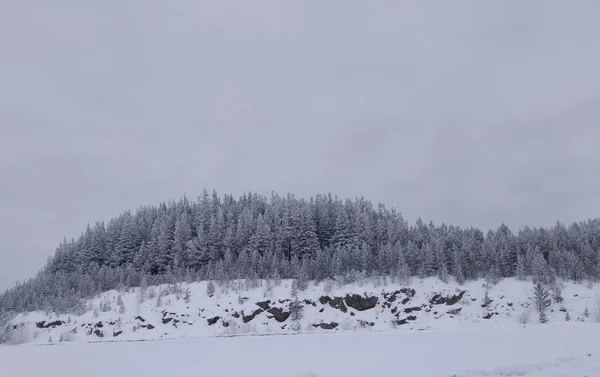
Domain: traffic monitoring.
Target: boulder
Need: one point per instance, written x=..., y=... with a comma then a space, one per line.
x=361, y=303
x=117, y=333
x=438, y=299
x=248, y=318
x=212, y=321
x=326, y=326
x=413, y=309
x=336, y=303
x=279, y=314
x=454, y=311
x=264, y=305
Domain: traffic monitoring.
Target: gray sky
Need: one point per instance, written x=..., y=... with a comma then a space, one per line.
x=474, y=113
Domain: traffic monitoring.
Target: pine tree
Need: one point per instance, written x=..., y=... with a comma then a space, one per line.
x=210, y=289
x=542, y=300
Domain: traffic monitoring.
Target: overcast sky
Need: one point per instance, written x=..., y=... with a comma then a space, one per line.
x=474, y=113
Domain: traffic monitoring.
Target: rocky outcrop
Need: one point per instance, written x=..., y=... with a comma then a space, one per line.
x=264, y=305
x=326, y=326
x=248, y=318
x=44, y=325
x=361, y=303
x=336, y=303
x=212, y=321
x=279, y=314
x=438, y=299
x=413, y=309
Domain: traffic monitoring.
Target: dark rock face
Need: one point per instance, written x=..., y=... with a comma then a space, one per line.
x=450, y=300
x=454, y=311
x=310, y=302
x=225, y=324
x=117, y=333
x=99, y=333
x=404, y=321
x=361, y=303
x=405, y=301
x=150, y=327
x=488, y=315
x=212, y=321
x=323, y=309
x=413, y=309
x=326, y=326
x=44, y=325
x=264, y=305
x=236, y=315
x=166, y=320
x=99, y=324
x=248, y=318
x=279, y=314
x=336, y=303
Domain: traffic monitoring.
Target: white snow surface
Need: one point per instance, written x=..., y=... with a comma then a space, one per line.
x=552, y=350
x=175, y=318
x=432, y=343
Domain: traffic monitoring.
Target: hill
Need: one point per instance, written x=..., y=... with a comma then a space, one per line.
x=206, y=309
x=254, y=237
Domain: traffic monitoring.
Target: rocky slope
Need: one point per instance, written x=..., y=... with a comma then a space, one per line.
x=267, y=307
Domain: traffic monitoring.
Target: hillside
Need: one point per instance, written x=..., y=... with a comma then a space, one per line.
x=269, y=307
x=254, y=237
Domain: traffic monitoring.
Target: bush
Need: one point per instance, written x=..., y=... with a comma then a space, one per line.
x=596, y=310
x=14, y=337
x=525, y=316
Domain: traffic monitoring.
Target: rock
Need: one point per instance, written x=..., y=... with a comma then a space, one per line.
x=509, y=303
x=284, y=301
x=361, y=303
x=279, y=314
x=264, y=305
x=413, y=309
x=454, y=311
x=99, y=324
x=99, y=333
x=310, y=302
x=438, y=299
x=488, y=316
x=212, y=321
x=225, y=324
x=323, y=309
x=336, y=303
x=44, y=325
x=405, y=320
x=150, y=327
x=236, y=315
x=117, y=333
x=394, y=310
x=405, y=301
x=166, y=320
x=326, y=326
x=248, y=318
x=352, y=314
x=365, y=323
x=409, y=292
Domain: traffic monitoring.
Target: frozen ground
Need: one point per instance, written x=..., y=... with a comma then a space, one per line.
x=536, y=351
x=236, y=309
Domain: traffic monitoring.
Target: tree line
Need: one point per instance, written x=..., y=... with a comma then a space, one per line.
x=259, y=237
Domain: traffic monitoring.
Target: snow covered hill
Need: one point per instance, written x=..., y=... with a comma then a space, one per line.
x=267, y=307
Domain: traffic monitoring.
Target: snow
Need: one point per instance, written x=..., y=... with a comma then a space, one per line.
x=176, y=318
x=551, y=350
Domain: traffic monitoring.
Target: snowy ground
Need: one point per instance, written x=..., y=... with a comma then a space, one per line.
x=551, y=350
x=235, y=309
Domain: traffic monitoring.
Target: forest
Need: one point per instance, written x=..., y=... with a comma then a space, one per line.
x=257, y=237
